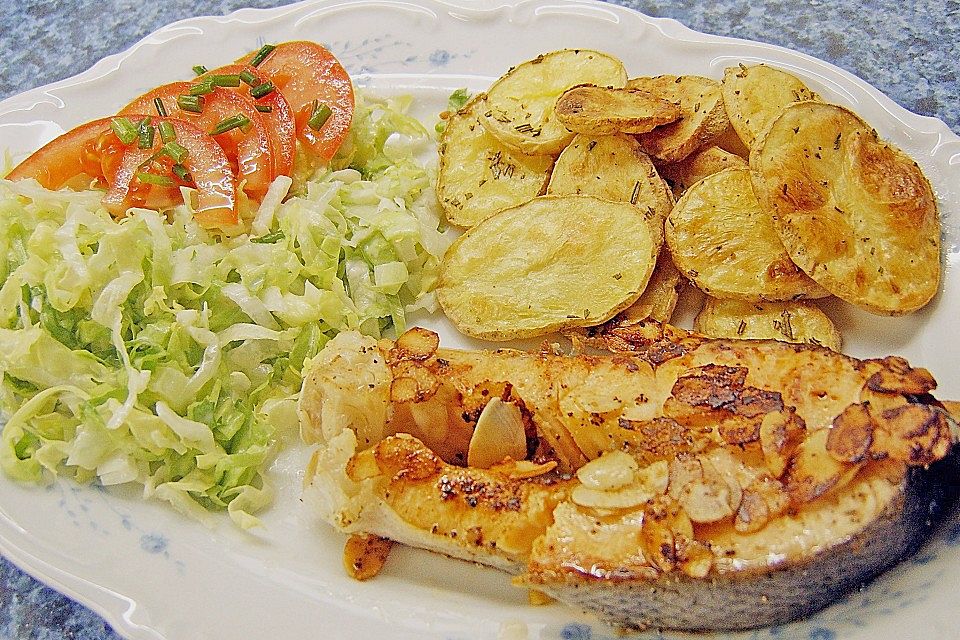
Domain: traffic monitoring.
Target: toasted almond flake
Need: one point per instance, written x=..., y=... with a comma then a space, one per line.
x=851, y=434
x=914, y=433
x=695, y=558
x=499, y=435
x=365, y=555
x=658, y=543
x=711, y=498
x=655, y=477
x=403, y=390
x=753, y=513
x=625, y=498
x=524, y=469
x=415, y=344
x=612, y=470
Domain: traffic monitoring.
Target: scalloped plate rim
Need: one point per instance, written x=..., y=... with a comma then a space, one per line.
x=116, y=608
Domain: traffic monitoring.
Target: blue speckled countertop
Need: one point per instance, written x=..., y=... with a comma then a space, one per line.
x=905, y=48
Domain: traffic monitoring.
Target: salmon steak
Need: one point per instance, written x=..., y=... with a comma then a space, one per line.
x=651, y=476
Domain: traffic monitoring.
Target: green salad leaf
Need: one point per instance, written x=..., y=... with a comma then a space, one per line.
x=150, y=351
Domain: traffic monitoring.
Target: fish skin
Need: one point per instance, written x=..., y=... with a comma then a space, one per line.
x=720, y=388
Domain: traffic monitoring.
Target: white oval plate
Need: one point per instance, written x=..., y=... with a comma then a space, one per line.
x=153, y=574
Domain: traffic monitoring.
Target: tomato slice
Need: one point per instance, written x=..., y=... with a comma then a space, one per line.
x=280, y=121
x=76, y=152
x=248, y=151
x=306, y=72
x=206, y=161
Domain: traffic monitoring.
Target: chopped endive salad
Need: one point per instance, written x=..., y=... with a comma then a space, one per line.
x=150, y=350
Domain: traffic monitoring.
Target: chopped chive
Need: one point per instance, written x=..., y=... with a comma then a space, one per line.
x=226, y=80
x=232, y=122
x=145, y=133
x=202, y=88
x=199, y=69
x=265, y=50
x=249, y=78
x=125, y=130
x=262, y=90
x=176, y=151
x=263, y=108
x=160, y=107
x=167, y=134
x=321, y=113
x=181, y=172
x=269, y=238
x=152, y=178
x=193, y=104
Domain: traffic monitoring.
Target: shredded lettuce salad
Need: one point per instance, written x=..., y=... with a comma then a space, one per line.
x=151, y=351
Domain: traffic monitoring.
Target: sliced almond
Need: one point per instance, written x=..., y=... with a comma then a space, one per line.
x=851, y=434
x=412, y=382
x=524, y=469
x=952, y=407
x=683, y=471
x=657, y=538
x=499, y=435
x=364, y=555
x=753, y=513
x=625, y=498
x=899, y=377
x=711, y=498
x=403, y=390
x=612, y=470
x=415, y=344
x=655, y=477
x=694, y=558
x=914, y=433
x=779, y=433
x=813, y=472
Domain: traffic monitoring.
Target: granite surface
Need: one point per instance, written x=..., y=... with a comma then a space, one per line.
x=906, y=48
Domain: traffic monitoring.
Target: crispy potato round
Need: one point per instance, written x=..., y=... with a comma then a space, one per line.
x=725, y=243
x=520, y=107
x=753, y=96
x=730, y=142
x=613, y=168
x=797, y=322
x=478, y=175
x=855, y=213
x=697, y=166
x=551, y=263
x=660, y=297
x=702, y=116
x=602, y=111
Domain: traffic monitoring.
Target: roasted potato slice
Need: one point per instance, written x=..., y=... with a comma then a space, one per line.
x=519, y=109
x=722, y=240
x=697, y=166
x=602, y=111
x=797, y=322
x=660, y=297
x=855, y=213
x=753, y=96
x=548, y=264
x=702, y=116
x=478, y=175
x=730, y=142
x=613, y=168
